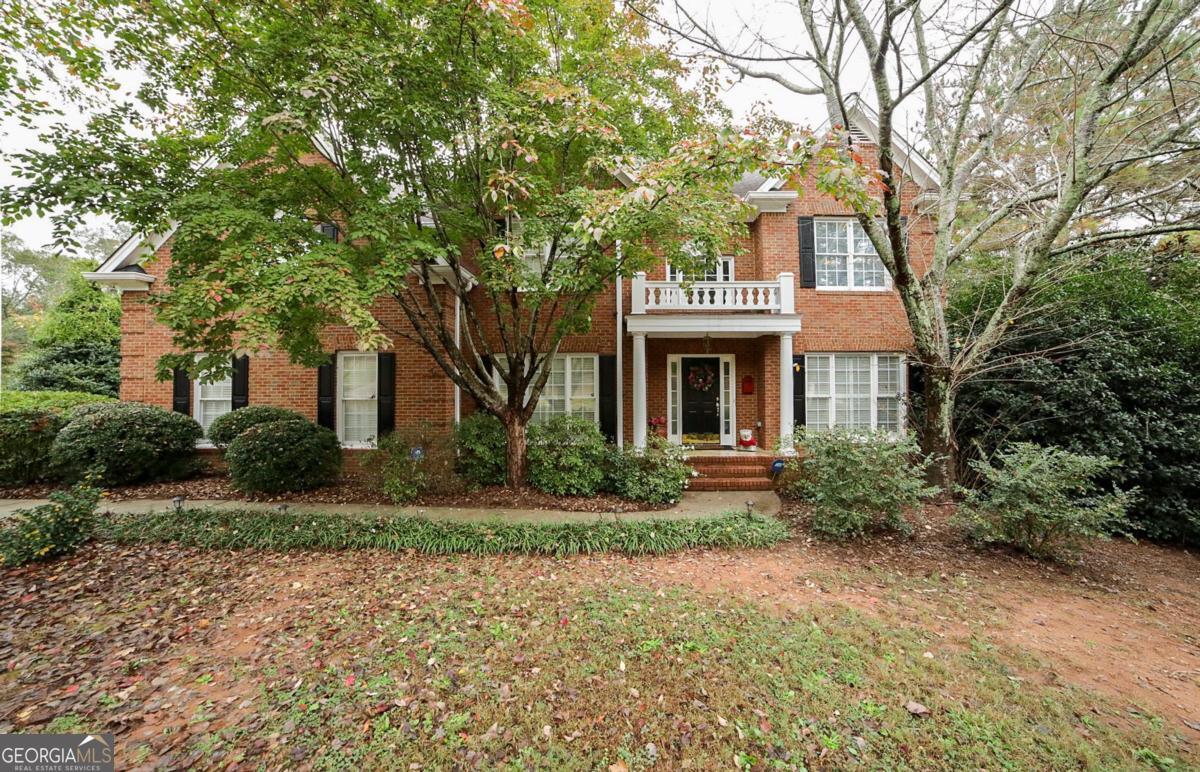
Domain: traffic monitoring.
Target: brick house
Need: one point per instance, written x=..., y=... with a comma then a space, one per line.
x=802, y=327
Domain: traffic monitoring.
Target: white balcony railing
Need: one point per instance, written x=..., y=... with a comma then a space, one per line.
x=773, y=296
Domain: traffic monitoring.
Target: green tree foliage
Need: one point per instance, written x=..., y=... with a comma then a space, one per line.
x=83, y=312
x=526, y=140
x=1106, y=367
x=92, y=366
x=33, y=280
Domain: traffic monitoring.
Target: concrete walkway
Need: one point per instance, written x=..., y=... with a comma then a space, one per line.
x=695, y=504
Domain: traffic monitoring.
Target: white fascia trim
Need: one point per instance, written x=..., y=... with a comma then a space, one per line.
x=769, y=201
x=908, y=158
x=712, y=325
x=122, y=280
x=136, y=248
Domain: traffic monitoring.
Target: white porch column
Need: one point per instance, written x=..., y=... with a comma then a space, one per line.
x=786, y=419
x=639, y=391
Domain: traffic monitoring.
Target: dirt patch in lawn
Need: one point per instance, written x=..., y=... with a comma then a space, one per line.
x=246, y=659
x=1124, y=622
x=354, y=489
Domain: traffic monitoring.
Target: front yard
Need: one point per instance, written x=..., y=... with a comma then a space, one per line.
x=802, y=655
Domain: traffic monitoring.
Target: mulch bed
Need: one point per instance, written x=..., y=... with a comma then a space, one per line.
x=353, y=489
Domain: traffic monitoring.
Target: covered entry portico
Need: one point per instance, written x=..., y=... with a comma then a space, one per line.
x=702, y=353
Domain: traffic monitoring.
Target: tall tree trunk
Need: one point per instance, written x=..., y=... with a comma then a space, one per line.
x=514, y=431
x=939, y=428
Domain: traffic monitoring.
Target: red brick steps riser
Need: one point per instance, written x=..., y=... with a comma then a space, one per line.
x=731, y=473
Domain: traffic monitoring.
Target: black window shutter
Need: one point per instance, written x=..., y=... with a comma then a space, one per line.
x=385, y=394
x=607, y=392
x=325, y=395
x=241, y=381
x=181, y=398
x=808, y=253
x=915, y=377
x=798, y=391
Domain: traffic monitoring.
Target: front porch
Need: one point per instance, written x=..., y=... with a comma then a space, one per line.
x=706, y=363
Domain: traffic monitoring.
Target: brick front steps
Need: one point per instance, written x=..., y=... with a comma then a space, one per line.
x=731, y=471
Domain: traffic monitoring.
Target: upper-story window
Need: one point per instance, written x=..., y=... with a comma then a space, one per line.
x=721, y=271
x=329, y=231
x=846, y=259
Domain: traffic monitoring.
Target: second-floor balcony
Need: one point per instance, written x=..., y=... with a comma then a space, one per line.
x=776, y=296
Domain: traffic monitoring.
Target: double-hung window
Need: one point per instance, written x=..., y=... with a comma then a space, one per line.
x=571, y=389
x=858, y=392
x=721, y=271
x=213, y=400
x=845, y=258
x=358, y=398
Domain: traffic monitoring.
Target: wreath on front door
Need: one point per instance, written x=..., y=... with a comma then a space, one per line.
x=701, y=377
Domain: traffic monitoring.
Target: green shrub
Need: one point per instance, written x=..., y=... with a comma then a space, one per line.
x=567, y=456
x=26, y=437
x=857, y=483
x=228, y=529
x=1107, y=369
x=481, y=447
x=58, y=401
x=656, y=475
x=126, y=442
x=1042, y=501
x=415, y=460
x=49, y=530
x=225, y=428
x=288, y=455
x=92, y=366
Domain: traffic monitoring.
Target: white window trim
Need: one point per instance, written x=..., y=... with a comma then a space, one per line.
x=498, y=381
x=902, y=375
x=339, y=422
x=849, y=224
x=721, y=261
x=204, y=442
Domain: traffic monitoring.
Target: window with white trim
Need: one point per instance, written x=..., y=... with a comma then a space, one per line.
x=571, y=388
x=845, y=258
x=213, y=400
x=358, y=398
x=721, y=271
x=854, y=391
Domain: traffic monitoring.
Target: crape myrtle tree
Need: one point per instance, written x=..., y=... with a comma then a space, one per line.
x=1053, y=126
x=546, y=146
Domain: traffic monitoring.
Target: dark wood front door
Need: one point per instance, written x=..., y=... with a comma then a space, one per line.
x=701, y=399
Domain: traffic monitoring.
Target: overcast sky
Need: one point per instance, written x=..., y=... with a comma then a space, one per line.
x=773, y=18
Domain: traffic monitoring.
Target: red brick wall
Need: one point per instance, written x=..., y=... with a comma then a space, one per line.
x=421, y=393
x=832, y=321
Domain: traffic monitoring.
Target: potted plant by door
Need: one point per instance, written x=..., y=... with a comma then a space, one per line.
x=658, y=425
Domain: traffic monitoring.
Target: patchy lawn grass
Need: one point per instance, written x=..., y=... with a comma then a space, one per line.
x=375, y=659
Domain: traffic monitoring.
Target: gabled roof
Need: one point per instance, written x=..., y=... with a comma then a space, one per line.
x=122, y=269
x=910, y=160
